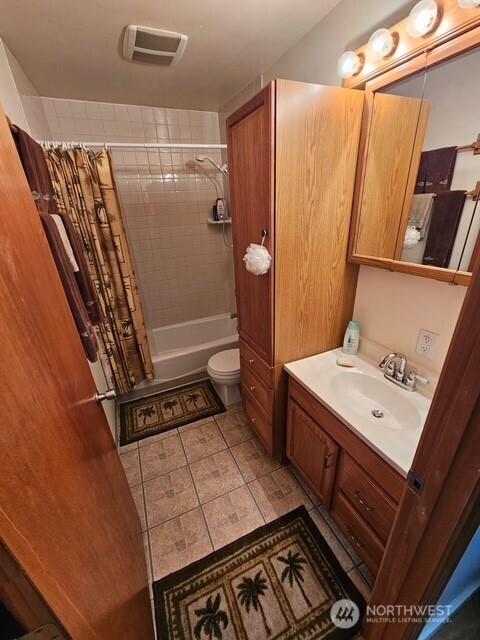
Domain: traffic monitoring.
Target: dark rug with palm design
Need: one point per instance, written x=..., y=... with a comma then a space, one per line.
x=166, y=410
x=278, y=582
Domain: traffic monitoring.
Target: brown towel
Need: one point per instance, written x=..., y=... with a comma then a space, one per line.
x=35, y=167
x=446, y=213
x=435, y=173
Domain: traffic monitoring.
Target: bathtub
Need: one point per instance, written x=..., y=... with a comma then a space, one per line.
x=185, y=348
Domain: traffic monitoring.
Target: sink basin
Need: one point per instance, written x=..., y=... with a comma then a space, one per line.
x=376, y=400
x=389, y=419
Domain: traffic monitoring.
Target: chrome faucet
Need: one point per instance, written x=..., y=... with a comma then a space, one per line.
x=398, y=375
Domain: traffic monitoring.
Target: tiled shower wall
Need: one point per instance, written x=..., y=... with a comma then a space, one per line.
x=184, y=270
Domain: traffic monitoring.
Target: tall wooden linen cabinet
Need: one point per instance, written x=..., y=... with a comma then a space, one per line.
x=292, y=152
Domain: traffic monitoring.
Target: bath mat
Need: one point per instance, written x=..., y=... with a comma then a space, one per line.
x=159, y=412
x=279, y=582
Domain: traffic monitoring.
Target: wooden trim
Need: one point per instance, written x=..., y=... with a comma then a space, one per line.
x=454, y=22
x=462, y=38
x=447, y=461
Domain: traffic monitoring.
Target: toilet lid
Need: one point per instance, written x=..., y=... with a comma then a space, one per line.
x=225, y=361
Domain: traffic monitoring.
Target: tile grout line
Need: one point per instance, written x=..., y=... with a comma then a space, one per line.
x=248, y=487
x=196, y=493
x=150, y=561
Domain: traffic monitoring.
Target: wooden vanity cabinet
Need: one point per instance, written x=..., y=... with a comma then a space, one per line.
x=292, y=154
x=354, y=483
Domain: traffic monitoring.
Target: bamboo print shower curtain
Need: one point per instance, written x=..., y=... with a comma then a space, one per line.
x=85, y=190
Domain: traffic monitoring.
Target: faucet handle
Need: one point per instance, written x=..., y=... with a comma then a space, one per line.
x=412, y=379
x=391, y=368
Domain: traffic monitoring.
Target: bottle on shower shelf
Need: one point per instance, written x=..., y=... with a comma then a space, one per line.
x=218, y=210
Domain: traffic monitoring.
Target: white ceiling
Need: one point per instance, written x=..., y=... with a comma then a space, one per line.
x=70, y=48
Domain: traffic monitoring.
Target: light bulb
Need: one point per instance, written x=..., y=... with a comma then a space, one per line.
x=469, y=4
x=422, y=18
x=380, y=44
x=349, y=64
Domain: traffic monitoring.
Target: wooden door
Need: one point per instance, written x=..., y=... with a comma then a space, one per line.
x=251, y=164
x=311, y=451
x=66, y=513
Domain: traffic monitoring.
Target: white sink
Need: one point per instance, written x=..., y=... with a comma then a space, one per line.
x=376, y=400
x=354, y=395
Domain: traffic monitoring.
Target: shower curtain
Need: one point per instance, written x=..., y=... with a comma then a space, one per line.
x=85, y=190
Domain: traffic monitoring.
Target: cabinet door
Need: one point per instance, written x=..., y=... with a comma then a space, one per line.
x=250, y=158
x=312, y=452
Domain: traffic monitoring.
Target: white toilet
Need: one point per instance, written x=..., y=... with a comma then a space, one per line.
x=224, y=371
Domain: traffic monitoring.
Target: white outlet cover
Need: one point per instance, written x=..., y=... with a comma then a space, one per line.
x=427, y=344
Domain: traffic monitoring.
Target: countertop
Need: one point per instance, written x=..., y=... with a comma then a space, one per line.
x=319, y=375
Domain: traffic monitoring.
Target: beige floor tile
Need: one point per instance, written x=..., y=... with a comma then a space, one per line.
x=157, y=437
x=234, y=428
x=197, y=423
x=360, y=582
x=234, y=408
x=179, y=542
x=169, y=495
x=333, y=542
x=202, y=441
x=252, y=459
x=215, y=475
x=137, y=493
x=278, y=493
x=131, y=466
x=231, y=516
x=162, y=457
x=128, y=447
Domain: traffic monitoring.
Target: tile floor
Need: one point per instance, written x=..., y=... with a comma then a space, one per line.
x=205, y=484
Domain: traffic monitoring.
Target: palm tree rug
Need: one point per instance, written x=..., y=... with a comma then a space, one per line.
x=159, y=412
x=280, y=582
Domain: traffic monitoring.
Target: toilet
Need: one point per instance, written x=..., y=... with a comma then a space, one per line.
x=224, y=371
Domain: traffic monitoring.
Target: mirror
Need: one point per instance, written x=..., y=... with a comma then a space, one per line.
x=420, y=190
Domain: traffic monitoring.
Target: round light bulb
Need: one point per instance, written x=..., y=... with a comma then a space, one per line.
x=469, y=4
x=422, y=18
x=349, y=64
x=380, y=44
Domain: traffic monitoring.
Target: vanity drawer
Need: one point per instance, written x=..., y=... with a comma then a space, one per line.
x=371, y=502
x=255, y=363
x=363, y=539
x=258, y=420
x=259, y=390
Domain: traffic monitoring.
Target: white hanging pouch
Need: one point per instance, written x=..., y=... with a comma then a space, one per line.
x=257, y=259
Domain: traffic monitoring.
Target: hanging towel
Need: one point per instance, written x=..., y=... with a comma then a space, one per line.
x=446, y=213
x=435, y=173
x=65, y=240
x=36, y=171
x=420, y=212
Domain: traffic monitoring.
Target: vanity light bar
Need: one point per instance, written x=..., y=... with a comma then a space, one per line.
x=422, y=20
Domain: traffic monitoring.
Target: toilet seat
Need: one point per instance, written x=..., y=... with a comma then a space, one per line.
x=225, y=365
x=224, y=371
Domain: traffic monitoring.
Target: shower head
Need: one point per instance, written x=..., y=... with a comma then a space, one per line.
x=222, y=169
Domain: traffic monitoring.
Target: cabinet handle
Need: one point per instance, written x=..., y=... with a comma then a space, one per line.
x=363, y=503
x=253, y=420
x=354, y=539
x=251, y=361
x=328, y=461
x=252, y=387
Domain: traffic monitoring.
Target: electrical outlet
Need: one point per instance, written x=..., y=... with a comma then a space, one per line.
x=427, y=344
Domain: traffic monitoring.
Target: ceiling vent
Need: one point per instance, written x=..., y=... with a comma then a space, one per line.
x=144, y=44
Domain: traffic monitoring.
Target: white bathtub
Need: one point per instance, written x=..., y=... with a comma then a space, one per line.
x=185, y=348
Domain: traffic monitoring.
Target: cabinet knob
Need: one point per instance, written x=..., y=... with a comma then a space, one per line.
x=251, y=361
x=253, y=420
x=328, y=460
x=366, y=506
x=252, y=387
x=354, y=539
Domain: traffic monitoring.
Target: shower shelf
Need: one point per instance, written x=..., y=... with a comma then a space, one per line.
x=210, y=221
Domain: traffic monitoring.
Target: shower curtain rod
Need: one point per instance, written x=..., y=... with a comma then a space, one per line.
x=136, y=145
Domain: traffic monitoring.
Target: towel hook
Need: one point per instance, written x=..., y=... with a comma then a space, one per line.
x=264, y=235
